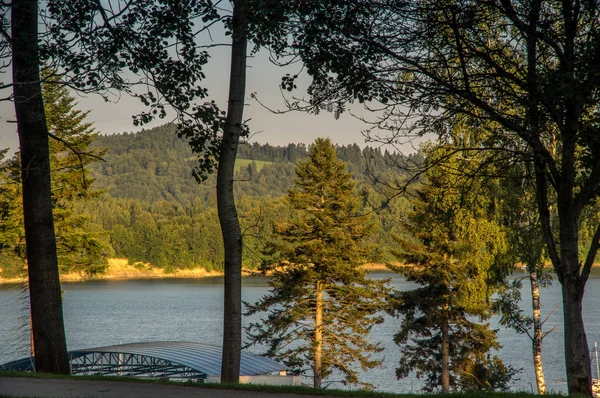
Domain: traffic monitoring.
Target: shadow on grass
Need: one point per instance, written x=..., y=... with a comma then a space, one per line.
x=301, y=390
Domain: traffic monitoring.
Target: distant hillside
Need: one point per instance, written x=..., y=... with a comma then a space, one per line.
x=154, y=211
x=155, y=165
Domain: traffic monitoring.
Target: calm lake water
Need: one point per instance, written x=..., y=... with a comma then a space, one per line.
x=99, y=313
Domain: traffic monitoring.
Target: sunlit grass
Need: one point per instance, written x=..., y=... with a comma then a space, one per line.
x=243, y=163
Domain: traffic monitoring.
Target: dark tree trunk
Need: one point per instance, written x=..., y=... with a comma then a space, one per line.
x=230, y=227
x=565, y=259
x=577, y=355
x=578, y=363
x=50, y=345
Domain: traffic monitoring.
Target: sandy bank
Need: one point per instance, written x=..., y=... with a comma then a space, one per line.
x=119, y=269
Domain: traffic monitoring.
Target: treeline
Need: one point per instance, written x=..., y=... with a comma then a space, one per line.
x=153, y=211
x=155, y=165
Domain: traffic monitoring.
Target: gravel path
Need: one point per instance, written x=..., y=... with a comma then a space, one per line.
x=63, y=388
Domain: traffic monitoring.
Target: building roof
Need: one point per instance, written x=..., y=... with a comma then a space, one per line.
x=200, y=358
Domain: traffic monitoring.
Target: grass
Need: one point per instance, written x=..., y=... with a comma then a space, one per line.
x=242, y=163
x=276, y=389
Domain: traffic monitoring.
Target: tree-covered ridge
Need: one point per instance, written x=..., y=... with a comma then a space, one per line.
x=155, y=212
x=155, y=165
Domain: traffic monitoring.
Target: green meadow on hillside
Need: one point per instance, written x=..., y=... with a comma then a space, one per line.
x=241, y=164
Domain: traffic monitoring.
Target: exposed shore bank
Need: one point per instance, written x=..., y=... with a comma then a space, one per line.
x=121, y=269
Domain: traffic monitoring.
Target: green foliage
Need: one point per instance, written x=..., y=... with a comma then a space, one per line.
x=526, y=243
x=457, y=249
x=251, y=166
x=154, y=165
x=155, y=40
x=80, y=247
x=150, y=171
x=313, y=265
x=12, y=234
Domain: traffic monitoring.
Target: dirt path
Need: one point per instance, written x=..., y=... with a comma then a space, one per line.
x=62, y=388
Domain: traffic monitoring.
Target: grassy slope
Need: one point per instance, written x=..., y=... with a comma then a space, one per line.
x=241, y=163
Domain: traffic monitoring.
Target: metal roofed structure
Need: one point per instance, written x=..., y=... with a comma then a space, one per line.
x=162, y=359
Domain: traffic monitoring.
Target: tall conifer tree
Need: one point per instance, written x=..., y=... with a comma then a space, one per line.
x=457, y=257
x=79, y=248
x=322, y=305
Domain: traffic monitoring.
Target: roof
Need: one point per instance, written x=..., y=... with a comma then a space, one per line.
x=199, y=357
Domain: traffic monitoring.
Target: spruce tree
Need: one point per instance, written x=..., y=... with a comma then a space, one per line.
x=12, y=234
x=321, y=305
x=79, y=247
x=457, y=257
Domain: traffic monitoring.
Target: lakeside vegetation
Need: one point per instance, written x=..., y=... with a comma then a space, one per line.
x=509, y=90
x=141, y=204
x=147, y=207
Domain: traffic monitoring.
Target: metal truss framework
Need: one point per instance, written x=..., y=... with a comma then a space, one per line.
x=134, y=365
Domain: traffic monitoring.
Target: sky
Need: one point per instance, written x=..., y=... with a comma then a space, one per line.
x=266, y=127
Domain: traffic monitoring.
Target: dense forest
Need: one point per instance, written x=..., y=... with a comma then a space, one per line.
x=151, y=209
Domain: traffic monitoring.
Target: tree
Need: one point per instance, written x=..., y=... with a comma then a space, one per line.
x=527, y=69
x=44, y=286
x=228, y=217
x=140, y=36
x=79, y=249
x=12, y=234
x=456, y=253
x=322, y=305
x=73, y=33
x=527, y=246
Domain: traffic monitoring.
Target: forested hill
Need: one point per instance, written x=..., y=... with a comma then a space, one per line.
x=155, y=164
x=153, y=211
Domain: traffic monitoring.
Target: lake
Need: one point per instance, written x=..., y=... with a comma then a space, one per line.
x=99, y=313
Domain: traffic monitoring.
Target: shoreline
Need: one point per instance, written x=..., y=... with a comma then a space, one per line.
x=119, y=269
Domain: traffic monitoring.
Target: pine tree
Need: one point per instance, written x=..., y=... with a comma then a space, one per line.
x=79, y=247
x=321, y=305
x=455, y=256
x=12, y=234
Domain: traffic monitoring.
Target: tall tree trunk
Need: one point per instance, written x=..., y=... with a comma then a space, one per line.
x=228, y=218
x=537, y=332
x=579, y=379
x=445, y=357
x=318, y=354
x=577, y=355
x=44, y=285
